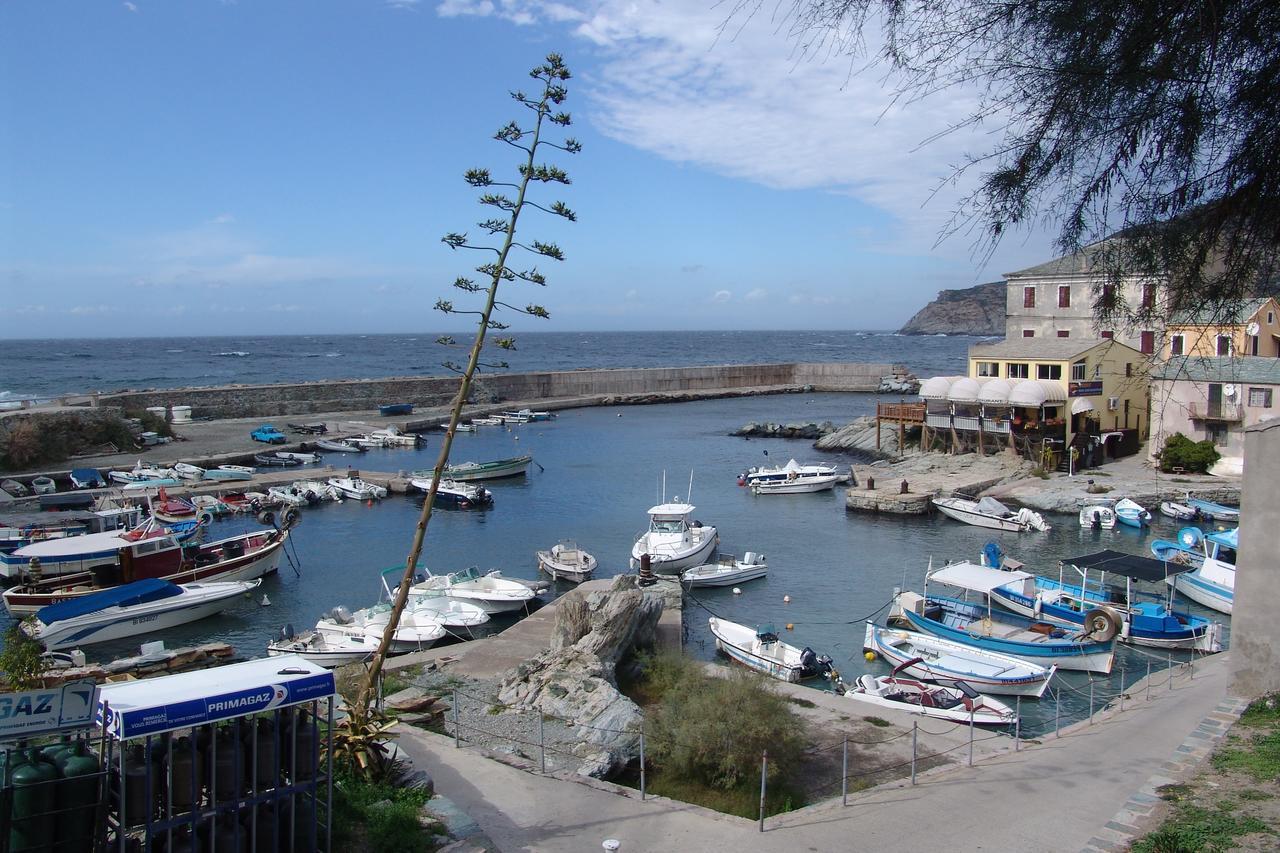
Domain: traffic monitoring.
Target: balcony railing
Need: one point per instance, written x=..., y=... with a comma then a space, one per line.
x=995, y=426
x=936, y=420
x=1204, y=411
x=965, y=422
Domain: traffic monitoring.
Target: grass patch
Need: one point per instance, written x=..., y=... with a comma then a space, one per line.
x=1254, y=794
x=393, y=681
x=803, y=703
x=1259, y=757
x=381, y=817
x=878, y=721
x=1173, y=793
x=1192, y=827
x=1262, y=712
x=742, y=800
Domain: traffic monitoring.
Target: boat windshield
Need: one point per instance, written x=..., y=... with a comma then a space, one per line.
x=666, y=525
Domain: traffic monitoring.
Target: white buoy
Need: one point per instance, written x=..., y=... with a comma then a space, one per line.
x=737, y=590
x=786, y=599
x=611, y=844
x=266, y=602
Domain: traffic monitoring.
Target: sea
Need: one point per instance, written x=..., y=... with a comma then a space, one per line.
x=597, y=471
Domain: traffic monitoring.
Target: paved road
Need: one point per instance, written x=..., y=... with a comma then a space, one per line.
x=1049, y=797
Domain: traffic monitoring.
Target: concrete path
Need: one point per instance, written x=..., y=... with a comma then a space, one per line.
x=1048, y=797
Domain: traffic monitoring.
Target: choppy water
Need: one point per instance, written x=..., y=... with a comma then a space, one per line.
x=599, y=470
x=38, y=368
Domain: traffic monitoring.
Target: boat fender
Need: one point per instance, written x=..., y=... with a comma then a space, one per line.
x=291, y=518
x=205, y=518
x=696, y=524
x=1038, y=606
x=267, y=517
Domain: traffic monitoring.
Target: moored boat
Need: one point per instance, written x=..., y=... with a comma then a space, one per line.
x=452, y=492
x=760, y=649
x=388, y=410
x=566, y=560
x=43, y=486
x=1211, y=511
x=226, y=475
x=1132, y=513
x=1178, y=511
x=1098, y=514
x=337, y=446
x=934, y=658
x=990, y=513
x=497, y=469
x=130, y=609
x=87, y=478
x=486, y=590
x=304, y=458
x=1212, y=580
x=959, y=703
x=448, y=611
x=14, y=489
x=55, y=556
x=275, y=460
x=327, y=650
x=674, y=541
x=414, y=632
x=189, y=472
x=795, y=486
x=793, y=470
x=726, y=571
x=357, y=489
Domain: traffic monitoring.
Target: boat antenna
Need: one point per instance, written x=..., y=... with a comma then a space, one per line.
x=689, y=495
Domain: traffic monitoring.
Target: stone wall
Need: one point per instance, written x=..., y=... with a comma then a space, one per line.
x=1255, y=633
x=359, y=394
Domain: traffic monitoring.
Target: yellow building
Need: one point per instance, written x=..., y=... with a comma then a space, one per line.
x=1253, y=329
x=1040, y=397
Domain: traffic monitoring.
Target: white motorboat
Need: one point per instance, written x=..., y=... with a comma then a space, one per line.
x=1179, y=511
x=392, y=437
x=287, y=495
x=131, y=609
x=415, y=632
x=143, y=473
x=43, y=486
x=316, y=491
x=727, y=571
x=1098, y=514
x=761, y=650
x=795, y=486
x=304, y=458
x=224, y=474
x=329, y=651
x=448, y=611
x=486, y=590
x=486, y=421
x=337, y=446
x=935, y=659
x=209, y=503
x=674, y=541
x=989, y=512
x=959, y=704
x=189, y=472
x=357, y=489
x=566, y=560
x=792, y=471
x=453, y=492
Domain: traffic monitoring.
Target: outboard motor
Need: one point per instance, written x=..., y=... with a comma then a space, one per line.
x=286, y=633
x=341, y=615
x=813, y=664
x=1097, y=520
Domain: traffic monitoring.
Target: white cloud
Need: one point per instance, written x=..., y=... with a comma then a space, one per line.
x=92, y=310
x=721, y=296
x=756, y=294
x=130, y=7
x=406, y=5
x=223, y=219
x=631, y=294
x=460, y=8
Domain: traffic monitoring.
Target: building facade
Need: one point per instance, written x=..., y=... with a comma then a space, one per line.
x=1215, y=398
x=1251, y=329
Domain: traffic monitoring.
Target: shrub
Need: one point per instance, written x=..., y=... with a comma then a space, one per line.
x=713, y=730
x=1181, y=452
x=21, y=664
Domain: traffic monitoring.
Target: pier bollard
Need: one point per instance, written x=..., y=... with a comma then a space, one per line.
x=915, y=727
x=904, y=489
x=645, y=572
x=1148, y=679
x=642, y=791
x=970, y=737
x=1170, y=670
x=764, y=774
x=457, y=743
x=1017, y=726
x=871, y=483
x=844, y=773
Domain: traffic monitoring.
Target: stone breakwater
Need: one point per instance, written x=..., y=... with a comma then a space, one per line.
x=236, y=401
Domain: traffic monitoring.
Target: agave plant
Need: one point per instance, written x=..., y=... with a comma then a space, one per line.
x=361, y=745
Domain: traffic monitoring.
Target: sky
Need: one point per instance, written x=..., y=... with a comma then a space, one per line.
x=289, y=166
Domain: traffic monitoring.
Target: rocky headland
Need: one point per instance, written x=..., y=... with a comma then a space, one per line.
x=973, y=311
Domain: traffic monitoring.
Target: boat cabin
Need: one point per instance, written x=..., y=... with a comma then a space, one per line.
x=670, y=518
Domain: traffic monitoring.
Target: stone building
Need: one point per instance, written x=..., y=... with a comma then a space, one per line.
x=1214, y=398
x=1249, y=329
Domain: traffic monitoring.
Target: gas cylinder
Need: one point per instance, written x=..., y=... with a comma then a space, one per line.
x=299, y=753
x=137, y=808
x=224, y=782
x=78, y=797
x=184, y=773
x=33, y=803
x=262, y=761
x=221, y=836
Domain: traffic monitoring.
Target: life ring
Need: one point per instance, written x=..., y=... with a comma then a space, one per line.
x=205, y=518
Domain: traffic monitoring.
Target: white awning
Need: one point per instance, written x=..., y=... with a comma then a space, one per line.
x=1037, y=392
x=936, y=387
x=996, y=391
x=1081, y=404
x=966, y=390
x=973, y=577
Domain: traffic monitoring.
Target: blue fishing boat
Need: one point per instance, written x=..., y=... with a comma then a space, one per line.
x=1146, y=619
x=1212, y=579
x=1132, y=514
x=1090, y=648
x=393, y=409
x=87, y=478
x=1213, y=511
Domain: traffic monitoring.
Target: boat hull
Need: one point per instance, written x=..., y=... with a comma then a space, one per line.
x=323, y=653
x=668, y=560
x=742, y=652
x=729, y=578
x=978, y=519
x=489, y=470
x=798, y=486
x=985, y=671
x=1212, y=595
x=562, y=570
x=955, y=715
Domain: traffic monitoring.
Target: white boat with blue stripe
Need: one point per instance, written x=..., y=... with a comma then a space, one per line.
x=1213, y=580
x=760, y=649
x=935, y=659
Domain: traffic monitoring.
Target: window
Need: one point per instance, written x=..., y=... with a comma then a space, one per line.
x=1064, y=296
x=1097, y=370
x=1253, y=345
x=1028, y=297
x=1260, y=398
x=1128, y=368
x=1108, y=335
x=988, y=368
x=1271, y=317
x=1217, y=433
x=1176, y=344
x=1108, y=294
x=1048, y=371
x=1148, y=295
x=1079, y=370
x=1064, y=333
x=1148, y=344
x=1028, y=333
x=1223, y=345
x=1018, y=370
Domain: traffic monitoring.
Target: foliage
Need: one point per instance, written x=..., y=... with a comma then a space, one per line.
x=545, y=108
x=1193, y=828
x=361, y=745
x=1151, y=116
x=1264, y=711
x=151, y=422
x=713, y=730
x=1181, y=452
x=878, y=721
x=1259, y=756
x=45, y=438
x=21, y=663
x=386, y=815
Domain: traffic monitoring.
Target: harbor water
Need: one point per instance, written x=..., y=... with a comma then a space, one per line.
x=598, y=470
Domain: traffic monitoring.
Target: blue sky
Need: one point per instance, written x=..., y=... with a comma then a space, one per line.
x=286, y=166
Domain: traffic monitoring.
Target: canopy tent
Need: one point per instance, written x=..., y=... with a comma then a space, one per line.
x=995, y=392
x=1128, y=565
x=966, y=390
x=936, y=387
x=1037, y=392
x=973, y=577
x=1081, y=404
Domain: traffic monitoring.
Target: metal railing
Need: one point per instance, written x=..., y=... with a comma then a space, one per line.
x=1215, y=411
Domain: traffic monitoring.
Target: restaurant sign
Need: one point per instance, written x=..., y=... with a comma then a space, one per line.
x=1085, y=389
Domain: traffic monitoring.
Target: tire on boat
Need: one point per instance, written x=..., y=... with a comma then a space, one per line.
x=1102, y=624
x=267, y=517
x=290, y=518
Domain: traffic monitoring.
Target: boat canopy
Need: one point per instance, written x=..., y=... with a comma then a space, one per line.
x=936, y=387
x=1037, y=392
x=671, y=511
x=995, y=392
x=966, y=390
x=991, y=506
x=125, y=595
x=977, y=578
x=1229, y=538
x=1081, y=404
x=70, y=546
x=1128, y=565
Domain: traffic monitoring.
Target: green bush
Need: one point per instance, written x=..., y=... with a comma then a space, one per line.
x=49, y=438
x=1181, y=452
x=21, y=664
x=379, y=816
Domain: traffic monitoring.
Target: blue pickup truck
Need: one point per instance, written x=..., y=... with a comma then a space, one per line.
x=268, y=434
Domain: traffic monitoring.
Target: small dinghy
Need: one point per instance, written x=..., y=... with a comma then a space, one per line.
x=761, y=650
x=452, y=492
x=499, y=468
x=304, y=458
x=1178, y=511
x=567, y=561
x=727, y=571
x=935, y=659
x=357, y=489
x=392, y=409
x=334, y=446
x=275, y=460
x=990, y=513
x=288, y=496
x=328, y=651
x=131, y=609
x=189, y=472
x=1211, y=511
x=317, y=492
x=1098, y=515
x=1132, y=513
x=43, y=486
x=226, y=474
x=172, y=510
x=959, y=704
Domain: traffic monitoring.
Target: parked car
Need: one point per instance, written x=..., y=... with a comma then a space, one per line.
x=268, y=434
